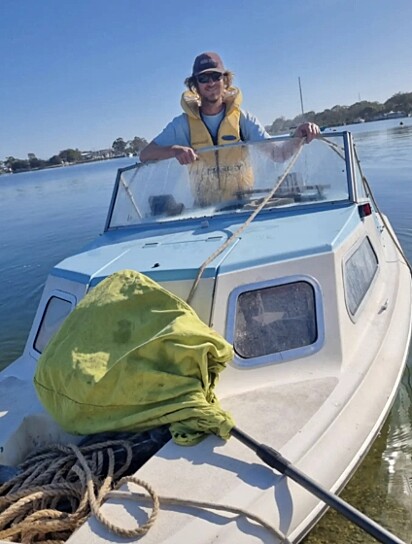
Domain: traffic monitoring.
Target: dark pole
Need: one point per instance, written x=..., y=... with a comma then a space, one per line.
x=301, y=99
x=275, y=460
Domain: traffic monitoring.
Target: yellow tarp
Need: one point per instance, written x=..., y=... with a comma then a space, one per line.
x=133, y=356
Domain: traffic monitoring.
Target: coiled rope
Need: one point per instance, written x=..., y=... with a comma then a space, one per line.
x=60, y=487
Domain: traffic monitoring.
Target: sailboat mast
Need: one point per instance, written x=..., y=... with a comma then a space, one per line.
x=301, y=99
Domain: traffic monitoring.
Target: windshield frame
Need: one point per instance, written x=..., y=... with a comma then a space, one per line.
x=349, y=164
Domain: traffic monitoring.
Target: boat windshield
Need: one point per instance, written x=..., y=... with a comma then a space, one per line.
x=231, y=179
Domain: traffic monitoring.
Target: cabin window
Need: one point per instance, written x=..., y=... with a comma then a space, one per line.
x=359, y=271
x=275, y=319
x=57, y=309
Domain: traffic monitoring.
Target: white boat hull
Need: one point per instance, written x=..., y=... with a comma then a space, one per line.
x=321, y=410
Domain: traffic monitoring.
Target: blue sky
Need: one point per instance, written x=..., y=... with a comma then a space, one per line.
x=84, y=72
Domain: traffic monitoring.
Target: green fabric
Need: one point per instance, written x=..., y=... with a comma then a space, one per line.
x=130, y=357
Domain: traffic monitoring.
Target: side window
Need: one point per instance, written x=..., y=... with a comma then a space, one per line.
x=275, y=319
x=359, y=270
x=56, y=311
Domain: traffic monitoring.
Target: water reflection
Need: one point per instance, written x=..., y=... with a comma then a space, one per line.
x=382, y=486
x=397, y=457
x=388, y=148
x=45, y=216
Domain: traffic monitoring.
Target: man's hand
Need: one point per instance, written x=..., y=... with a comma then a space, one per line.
x=185, y=155
x=309, y=131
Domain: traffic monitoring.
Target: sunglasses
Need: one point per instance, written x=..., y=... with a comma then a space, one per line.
x=209, y=76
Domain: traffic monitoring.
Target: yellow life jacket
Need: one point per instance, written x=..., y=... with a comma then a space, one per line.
x=217, y=175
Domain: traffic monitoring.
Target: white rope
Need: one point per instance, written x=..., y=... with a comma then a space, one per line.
x=239, y=231
x=129, y=495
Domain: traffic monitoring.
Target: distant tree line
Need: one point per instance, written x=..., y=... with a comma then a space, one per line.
x=120, y=148
x=346, y=115
x=336, y=116
x=66, y=156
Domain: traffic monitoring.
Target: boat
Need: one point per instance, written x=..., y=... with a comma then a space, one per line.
x=303, y=275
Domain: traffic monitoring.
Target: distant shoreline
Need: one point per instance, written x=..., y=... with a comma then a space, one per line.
x=64, y=165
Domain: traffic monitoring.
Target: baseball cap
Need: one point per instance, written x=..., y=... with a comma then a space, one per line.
x=207, y=62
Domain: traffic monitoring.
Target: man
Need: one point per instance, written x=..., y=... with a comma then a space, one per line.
x=211, y=81
x=212, y=116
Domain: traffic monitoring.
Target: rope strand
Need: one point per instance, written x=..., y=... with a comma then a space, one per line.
x=239, y=231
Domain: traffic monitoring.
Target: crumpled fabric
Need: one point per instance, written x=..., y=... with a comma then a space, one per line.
x=131, y=357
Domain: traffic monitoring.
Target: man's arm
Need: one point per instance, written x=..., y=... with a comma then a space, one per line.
x=172, y=142
x=253, y=131
x=155, y=152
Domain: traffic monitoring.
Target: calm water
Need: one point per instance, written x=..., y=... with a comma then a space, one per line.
x=45, y=216
x=50, y=214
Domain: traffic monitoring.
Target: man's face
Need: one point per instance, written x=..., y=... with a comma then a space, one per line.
x=211, y=87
